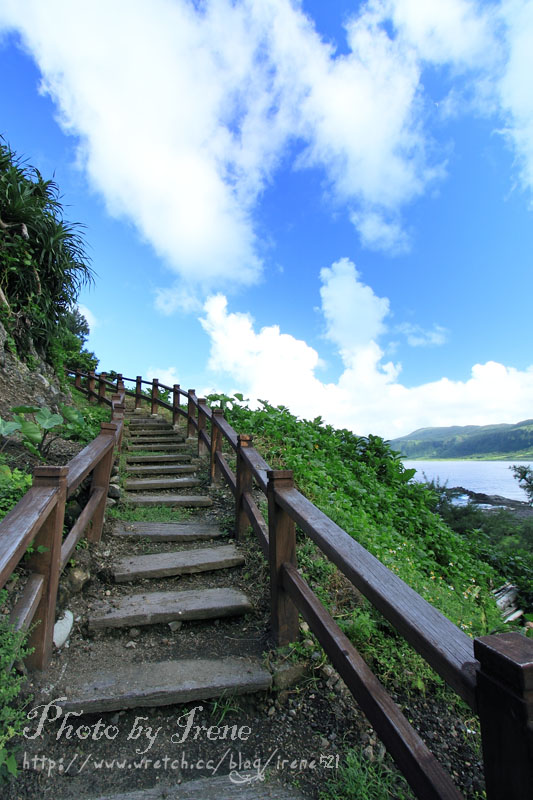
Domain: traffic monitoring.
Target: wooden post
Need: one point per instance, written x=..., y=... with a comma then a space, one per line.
x=175, y=404
x=216, y=444
x=91, y=394
x=191, y=412
x=244, y=482
x=505, y=707
x=77, y=379
x=47, y=564
x=202, y=447
x=282, y=548
x=117, y=415
x=119, y=381
x=101, y=387
x=101, y=475
x=138, y=391
x=155, y=395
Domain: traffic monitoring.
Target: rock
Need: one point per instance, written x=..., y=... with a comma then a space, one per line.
x=72, y=511
x=110, y=502
x=113, y=491
x=175, y=625
x=77, y=578
x=368, y=752
x=42, y=380
x=135, y=633
x=287, y=675
x=130, y=645
x=62, y=629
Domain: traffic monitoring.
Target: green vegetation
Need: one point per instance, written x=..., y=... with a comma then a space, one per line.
x=14, y=483
x=470, y=441
x=39, y=427
x=361, y=779
x=363, y=486
x=499, y=538
x=12, y=648
x=524, y=476
x=43, y=266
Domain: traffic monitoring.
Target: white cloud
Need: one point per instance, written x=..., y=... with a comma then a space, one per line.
x=354, y=314
x=179, y=298
x=184, y=113
x=368, y=396
x=516, y=85
x=454, y=32
x=418, y=337
x=165, y=375
x=92, y=320
x=378, y=233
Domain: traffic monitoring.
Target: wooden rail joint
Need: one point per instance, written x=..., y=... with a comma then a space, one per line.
x=282, y=549
x=505, y=706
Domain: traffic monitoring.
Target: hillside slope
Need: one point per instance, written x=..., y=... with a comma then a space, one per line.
x=470, y=441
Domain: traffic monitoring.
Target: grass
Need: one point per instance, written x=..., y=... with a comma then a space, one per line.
x=362, y=779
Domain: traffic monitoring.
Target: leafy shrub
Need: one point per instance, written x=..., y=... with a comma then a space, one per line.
x=12, y=648
x=362, y=485
x=13, y=486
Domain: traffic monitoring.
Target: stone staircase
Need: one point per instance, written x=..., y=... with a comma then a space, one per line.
x=162, y=470
x=147, y=442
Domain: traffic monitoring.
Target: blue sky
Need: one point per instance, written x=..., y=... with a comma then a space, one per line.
x=325, y=205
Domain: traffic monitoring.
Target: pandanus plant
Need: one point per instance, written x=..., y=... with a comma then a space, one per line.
x=43, y=264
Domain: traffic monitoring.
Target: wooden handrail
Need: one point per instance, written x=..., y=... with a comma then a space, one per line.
x=441, y=643
x=19, y=526
x=427, y=777
x=38, y=518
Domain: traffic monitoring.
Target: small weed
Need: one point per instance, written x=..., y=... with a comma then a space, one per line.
x=223, y=706
x=361, y=779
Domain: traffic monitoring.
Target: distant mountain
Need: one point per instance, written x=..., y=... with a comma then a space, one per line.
x=469, y=441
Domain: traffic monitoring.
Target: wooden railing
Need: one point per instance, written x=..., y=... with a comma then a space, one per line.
x=37, y=520
x=493, y=674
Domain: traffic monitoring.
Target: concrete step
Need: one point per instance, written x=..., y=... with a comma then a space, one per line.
x=148, y=484
x=161, y=469
x=182, y=500
x=163, y=438
x=238, y=785
x=157, y=447
x=156, y=607
x=159, y=430
x=181, y=562
x=158, y=458
x=164, y=683
x=168, y=531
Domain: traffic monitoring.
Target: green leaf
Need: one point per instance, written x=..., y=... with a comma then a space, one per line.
x=47, y=420
x=11, y=764
x=72, y=415
x=25, y=409
x=31, y=431
x=408, y=474
x=7, y=428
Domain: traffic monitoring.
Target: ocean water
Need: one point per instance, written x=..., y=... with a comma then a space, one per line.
x=490, y=477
